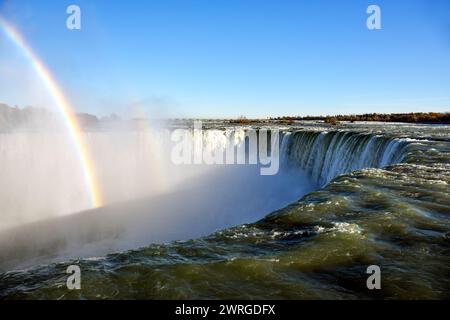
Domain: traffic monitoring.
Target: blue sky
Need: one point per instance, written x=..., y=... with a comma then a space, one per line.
x=211, y=58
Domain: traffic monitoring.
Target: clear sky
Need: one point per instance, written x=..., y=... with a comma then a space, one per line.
x=225, y=58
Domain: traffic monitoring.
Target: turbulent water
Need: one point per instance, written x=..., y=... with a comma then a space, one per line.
x=377, y=195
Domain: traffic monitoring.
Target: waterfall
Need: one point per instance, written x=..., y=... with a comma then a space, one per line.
x=325, y=155
x=200, y=198
x=322, y=155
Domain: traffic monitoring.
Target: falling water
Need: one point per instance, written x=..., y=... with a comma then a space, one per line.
x=325, y=155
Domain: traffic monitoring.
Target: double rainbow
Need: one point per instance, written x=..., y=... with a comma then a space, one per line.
x=64, y=107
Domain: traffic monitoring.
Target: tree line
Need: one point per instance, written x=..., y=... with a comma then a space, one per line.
x=413, y=117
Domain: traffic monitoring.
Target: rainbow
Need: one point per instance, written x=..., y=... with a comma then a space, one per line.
x=64, y=107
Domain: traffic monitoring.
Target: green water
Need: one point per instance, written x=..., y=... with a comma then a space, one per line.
x=396, y=217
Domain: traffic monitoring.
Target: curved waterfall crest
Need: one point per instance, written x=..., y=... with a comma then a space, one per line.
x=325, y=155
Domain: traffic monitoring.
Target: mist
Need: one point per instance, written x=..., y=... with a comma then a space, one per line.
x=46, y=212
